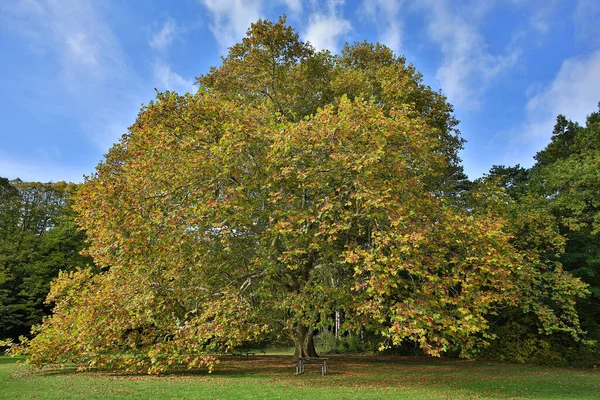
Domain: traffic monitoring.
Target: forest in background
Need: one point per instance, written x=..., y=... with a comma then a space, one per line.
x=38, y=238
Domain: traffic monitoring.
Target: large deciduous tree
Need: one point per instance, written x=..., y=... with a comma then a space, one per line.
x=294, y=184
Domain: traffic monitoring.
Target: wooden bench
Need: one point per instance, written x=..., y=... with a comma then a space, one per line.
x=241, y=353
x=304, y=361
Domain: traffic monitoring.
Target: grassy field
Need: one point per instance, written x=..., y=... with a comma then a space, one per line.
x=351, y=377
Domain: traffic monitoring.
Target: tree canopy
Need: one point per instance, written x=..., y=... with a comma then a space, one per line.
x=294, y=184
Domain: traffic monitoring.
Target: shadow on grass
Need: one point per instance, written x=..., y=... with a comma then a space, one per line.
x=364, y=373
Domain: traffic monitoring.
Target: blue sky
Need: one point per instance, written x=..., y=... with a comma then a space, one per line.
x=75, y=72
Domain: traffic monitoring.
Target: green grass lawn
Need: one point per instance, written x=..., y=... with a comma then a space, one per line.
x=351, y=377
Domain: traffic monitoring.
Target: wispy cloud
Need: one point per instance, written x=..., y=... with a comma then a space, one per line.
x=82, y=49
x=71, y=30
x=85, y=71
x=468, y=68
x=541, y=19
x=326, y=27
x=164, y=77
x=167, y=79
x=231, y=18
x=586, y=21
x=573, y=92
x=294, y=6
x=389, y=25
x=162, y=39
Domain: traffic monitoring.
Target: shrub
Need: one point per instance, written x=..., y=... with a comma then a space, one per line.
x=327, y=343
x=519, y=342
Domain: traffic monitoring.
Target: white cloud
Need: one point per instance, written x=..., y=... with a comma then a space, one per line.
x=468, y=68
x=586, y=21
x=72, y=30
x=294, y=5
x=81, y=49
x=387, y=11
x=86, y=79
x=324, y=31
x=164, y=77
x=232, y=18
x=326, y=27
x=163, y=38
x=541, y=19
x=167, y=79
x=574, y=92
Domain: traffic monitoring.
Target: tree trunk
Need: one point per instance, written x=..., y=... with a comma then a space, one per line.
x=304, y=342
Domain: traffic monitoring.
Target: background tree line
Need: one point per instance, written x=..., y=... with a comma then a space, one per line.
x=38, y=238
x=563, y=186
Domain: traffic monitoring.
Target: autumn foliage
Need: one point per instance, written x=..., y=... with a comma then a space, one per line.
x=293, y=184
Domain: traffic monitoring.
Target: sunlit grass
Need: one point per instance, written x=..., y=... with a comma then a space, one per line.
x=351, y=377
